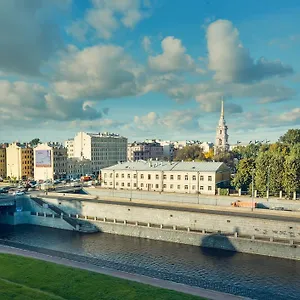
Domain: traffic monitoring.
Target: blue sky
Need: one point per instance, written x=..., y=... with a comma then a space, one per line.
x=148, y=68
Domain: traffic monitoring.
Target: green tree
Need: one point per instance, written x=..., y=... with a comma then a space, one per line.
x=189, y=153
x=35, y=142
x=228, y=158
x=243, y=177
x=291, y=137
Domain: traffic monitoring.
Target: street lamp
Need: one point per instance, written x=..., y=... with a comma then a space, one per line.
x=252, y=189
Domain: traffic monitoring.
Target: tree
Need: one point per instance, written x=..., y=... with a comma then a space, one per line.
x=189, y=153
x=243, y=177
x=35, y=142
x=291, y=137
x=228, y=158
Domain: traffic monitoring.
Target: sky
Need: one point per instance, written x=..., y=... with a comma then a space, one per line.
x=149, y=69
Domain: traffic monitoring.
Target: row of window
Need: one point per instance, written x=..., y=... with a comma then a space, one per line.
x=186, y=177
x=171, y=186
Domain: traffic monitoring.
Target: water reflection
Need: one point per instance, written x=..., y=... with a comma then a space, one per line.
x=242, y=274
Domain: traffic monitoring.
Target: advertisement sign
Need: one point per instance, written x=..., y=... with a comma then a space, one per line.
x=43, y=158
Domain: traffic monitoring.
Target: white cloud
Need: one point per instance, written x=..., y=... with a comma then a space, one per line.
x=146, y=43
x=34, y=104
x=231, y=62
x=96, y=73
x=173, y=58
x=291, y=116
x=107, y=16
x=29, y=34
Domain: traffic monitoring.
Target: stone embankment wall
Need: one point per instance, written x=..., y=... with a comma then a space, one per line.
x=259, y=227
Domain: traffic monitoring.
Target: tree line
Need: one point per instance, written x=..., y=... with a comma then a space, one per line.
x=276, y=165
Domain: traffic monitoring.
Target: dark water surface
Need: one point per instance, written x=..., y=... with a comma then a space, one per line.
x=253, y=276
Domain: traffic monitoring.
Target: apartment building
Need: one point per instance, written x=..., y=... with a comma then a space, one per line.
x=19, y=161
x=102, y=149
x=176, y=177
x=78, y=167
x=144, y=151
x=3, y=163
x=69, y=144
x=50, y=161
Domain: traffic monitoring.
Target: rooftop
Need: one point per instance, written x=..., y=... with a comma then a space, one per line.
x=168, y=166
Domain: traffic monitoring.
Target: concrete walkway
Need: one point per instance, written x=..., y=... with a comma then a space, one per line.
x=208, y=294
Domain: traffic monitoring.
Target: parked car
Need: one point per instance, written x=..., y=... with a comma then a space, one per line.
x=18, y=193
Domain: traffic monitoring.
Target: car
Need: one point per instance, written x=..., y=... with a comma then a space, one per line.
x=18, y=193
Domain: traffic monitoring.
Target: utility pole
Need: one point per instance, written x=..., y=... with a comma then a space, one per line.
x=252, y=189
x=268, y=183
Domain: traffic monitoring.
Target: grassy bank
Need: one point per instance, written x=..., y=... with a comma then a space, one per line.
x=26, y=279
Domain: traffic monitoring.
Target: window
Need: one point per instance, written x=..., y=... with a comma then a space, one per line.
x=110, y=183
x=105, y=183
x=128, y=184
x=209, y=188
x=201, y=178
x=194, y=177
x=149, y=176
x=186, y=177
x=142, y=185
x=156, y=176
x=201, y=188
x=156, y=186
x=142, y=176
x=209, y=178
x=193, y=187
x=178, y=177
x=171, y=186
x=165, y=176
x=128, y=175
x=134, y=175
x=111, y=175
x=178, y=187
x=134, y=184
x=164, y=186
x=122, y=184
x=186, y=187
x=105, y=175
x=171, y=177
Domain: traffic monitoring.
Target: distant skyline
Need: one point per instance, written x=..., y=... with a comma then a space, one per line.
x=149, y=68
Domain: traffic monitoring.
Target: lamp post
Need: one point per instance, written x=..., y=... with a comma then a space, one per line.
x=268, y=183
x=252, y=189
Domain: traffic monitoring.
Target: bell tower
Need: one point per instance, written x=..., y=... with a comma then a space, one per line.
x=221, y=144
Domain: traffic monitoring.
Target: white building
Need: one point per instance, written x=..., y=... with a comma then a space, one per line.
x=69, y=144
x=103, y=149
x=206, y=146
x=78, y=167
x=176, y=177
x=50, y=161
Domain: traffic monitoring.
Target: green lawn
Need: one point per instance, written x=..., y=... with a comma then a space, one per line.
x=26, y=279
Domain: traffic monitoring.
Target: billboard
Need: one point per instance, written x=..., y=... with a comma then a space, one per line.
x=43, y=158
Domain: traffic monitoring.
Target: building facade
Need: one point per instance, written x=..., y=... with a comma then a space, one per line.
x=69, y=144
x=144, y=151
x=102, y=149
x=176, y=177
x=50, y=162
x=19, y=161
x=78, y=167
x=221, y=144
x=3, y=173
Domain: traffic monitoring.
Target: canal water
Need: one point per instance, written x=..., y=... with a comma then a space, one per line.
x=253, y=276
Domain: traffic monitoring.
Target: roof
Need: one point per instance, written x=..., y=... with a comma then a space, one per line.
x=168, y=166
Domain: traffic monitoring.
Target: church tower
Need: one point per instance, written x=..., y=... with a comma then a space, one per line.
x=221, y=136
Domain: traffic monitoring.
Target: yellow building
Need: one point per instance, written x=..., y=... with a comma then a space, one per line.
x=3, y=163
x=19, y=161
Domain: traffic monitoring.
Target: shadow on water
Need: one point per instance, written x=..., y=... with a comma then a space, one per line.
x=217, y=245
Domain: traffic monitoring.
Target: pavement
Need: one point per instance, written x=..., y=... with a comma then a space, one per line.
x=208, y=294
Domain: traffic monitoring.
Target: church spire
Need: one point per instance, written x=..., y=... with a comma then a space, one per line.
x=222, y=108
